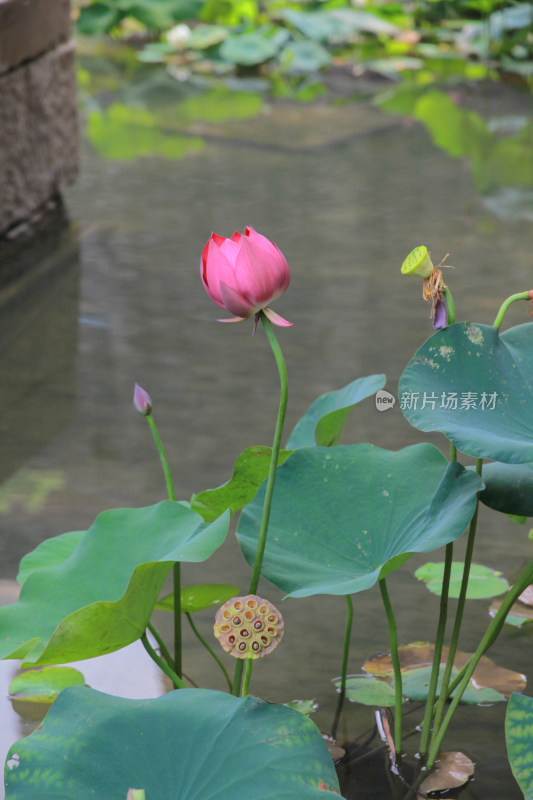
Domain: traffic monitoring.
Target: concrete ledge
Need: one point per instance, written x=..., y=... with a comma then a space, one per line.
x=38, y=132
x=29, y=28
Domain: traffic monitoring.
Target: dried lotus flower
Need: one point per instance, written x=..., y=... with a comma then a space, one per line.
x=248, y=627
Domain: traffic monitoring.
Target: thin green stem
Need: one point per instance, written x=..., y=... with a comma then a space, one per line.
x=162, y=646
x=344, y=668
x=450, y=307
x=444, y=692
x=162, y=457
x=209, y=649
x=176, y=570
x=393, y=639
x=439, y=640
x=506, y=303
x=247, y=676
x=263, y=530
x=488, y=639
x=284, y=393
x=176, y=680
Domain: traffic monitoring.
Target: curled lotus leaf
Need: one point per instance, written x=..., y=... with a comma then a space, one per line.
x=475, y=385
x=109, y=583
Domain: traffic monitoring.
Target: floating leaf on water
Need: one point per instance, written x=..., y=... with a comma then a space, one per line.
x=483, y=582
x=451, y=770
x=368, y=691
x=527, y=596
x=415, y=686
x=519, y=615
x=420, y=654
x=199, y=596
x=306, y=707
x=336, y=751
x=42, y=685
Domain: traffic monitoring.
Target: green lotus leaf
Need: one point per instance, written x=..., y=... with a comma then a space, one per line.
x=341, y=514
x=509, y=488
x=250, y=470
x=415, y=685
x=483, y=581
x=369, y=691
x=49, y=553
x=100, y=598
x=200, y=596
x=519, y=738
x=193, y=743
x=324, y=420
x=475, y=385
x=43, y=685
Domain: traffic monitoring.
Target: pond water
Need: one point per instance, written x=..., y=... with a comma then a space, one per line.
x=346, y=191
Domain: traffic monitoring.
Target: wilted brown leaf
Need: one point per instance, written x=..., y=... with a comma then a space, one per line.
x=527, y=596
x=420, y=654
x=452, y=769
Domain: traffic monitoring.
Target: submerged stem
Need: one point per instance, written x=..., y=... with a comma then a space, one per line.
x=344, y=668
x=393, y=638
x=488, y=639
x=439, y=640
x=263, y=530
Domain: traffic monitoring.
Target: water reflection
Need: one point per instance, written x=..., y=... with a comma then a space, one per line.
x=346, y=196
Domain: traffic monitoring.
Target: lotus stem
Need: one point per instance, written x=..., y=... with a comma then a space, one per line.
x=209, y=649
x=488, y=639
x=176, y=680
x=439, y=640
x=506, y=303
x=344, y=668
x=444, y=692
x=263, y=530
x=162, y=646
x=450, y=306
x=393, y=638
x=247, y=676
x=176, y=570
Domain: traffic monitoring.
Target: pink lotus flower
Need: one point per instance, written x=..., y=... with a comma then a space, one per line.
x=142, y=401
x=244, y=274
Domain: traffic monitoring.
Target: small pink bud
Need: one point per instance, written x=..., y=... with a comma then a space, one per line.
x=142, y=401
x=243, y=274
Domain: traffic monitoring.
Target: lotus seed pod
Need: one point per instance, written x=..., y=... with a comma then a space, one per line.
x=248, y=627
x=418, y=262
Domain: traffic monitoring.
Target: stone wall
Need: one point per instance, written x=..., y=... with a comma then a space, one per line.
x=38, y=107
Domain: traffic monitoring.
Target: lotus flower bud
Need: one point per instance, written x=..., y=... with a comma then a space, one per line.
x=142, y=401
x=248, y=627
x=440, y=315
x=418, y=262
x=244, y=274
